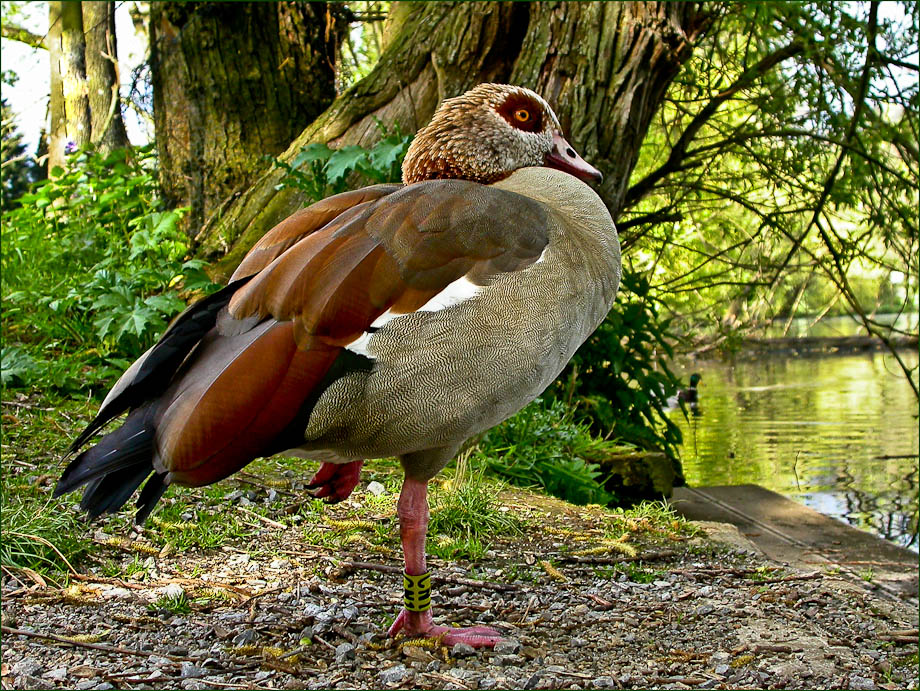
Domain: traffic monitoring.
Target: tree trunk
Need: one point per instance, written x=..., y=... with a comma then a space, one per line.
x=605, y=67
x=606, y=63
x=57, y=137
x=233, y=83
x=108, y=127
x=70, y=117
x=431, y=51
x=84, y=102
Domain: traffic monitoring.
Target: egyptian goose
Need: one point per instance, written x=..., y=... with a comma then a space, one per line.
x=394, y=320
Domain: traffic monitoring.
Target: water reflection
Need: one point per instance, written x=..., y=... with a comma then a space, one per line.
x=836, y=432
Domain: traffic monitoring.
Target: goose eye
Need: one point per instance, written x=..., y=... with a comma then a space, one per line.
x=522, y=115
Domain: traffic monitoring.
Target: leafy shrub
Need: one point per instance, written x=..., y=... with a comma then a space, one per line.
x=320, y=171
x=620, y=376
x=93, y=267
x=544, y=445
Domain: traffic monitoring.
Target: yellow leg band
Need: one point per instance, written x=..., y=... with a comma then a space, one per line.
x=417, y=589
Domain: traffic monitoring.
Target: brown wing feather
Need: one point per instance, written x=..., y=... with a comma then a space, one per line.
x=338, y=208
x=235, y=400
x=325, y=279
x=399, y=249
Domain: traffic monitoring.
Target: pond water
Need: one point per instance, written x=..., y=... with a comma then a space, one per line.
x=836, y=432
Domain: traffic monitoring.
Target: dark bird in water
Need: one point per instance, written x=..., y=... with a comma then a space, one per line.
x=393, y=320
x=690, y=394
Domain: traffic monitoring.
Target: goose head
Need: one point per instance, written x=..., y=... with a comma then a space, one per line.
x=488, y=133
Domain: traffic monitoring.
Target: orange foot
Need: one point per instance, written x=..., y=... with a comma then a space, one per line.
x=420, y=624
x=335, y=481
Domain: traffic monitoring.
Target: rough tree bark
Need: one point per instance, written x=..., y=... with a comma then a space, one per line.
x=84, y=103
x=108, y=127
x=70, y=117
x=603, y=66
x=233, y=83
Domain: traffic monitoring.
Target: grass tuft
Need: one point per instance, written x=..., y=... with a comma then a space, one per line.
x=464, y=510
x=40, y=536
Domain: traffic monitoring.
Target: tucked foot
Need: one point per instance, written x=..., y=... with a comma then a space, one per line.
x=420, y=624
x=335, y=482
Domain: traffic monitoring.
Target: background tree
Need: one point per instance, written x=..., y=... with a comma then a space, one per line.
x=84, y=105
x=784, y=164
x=102, y=74
x=233, y=84
x=18, y=169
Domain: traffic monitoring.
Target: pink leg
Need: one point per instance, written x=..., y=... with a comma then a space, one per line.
x=413, y=526
x=336, y=481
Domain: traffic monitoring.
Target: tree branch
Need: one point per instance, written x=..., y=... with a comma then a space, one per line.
x=859, y=105
x=679, y=151
x=15, y=32
x=659, y=216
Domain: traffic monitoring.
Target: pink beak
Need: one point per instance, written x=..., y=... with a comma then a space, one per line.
x=565, y=158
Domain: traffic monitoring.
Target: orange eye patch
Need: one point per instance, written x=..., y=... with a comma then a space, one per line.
x=522, y=112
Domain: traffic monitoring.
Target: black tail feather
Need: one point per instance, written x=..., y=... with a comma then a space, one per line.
x=128, y=446
x=113, y=469
x=150, y=495
x=110, y=492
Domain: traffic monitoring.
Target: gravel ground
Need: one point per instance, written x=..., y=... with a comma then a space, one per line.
x=683, y=613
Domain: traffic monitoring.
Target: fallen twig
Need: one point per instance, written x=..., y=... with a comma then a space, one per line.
x=644, y=556
x=248, y=479
x=252, y=598
x=689, y=681
x=446, y=679
x=26, y=405
x=783, y=579
x=324, y=642
x=95, y=646
x=109, y=581
x=267, y=521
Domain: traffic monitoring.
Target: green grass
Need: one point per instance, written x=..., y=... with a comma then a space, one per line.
x=465, y=515
x=545, y=446
x=175, y=604
x=45, y=535
x=38, y=535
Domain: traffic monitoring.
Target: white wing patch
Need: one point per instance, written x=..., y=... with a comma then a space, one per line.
x=459, y=291
x=360, y=344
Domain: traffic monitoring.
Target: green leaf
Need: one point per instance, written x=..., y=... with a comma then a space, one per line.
x=342, y=162
x=388, y=153
x=313, y=152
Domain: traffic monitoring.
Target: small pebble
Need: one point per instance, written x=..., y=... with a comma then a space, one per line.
x=462, y=650
x=507, y=646
x=393, y=675
x=190, y=670
x=245, y=637
x=26, y=666
x=345, y=651
x=56, y=674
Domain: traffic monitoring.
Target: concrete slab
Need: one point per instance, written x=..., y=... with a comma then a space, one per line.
x=788, y=532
